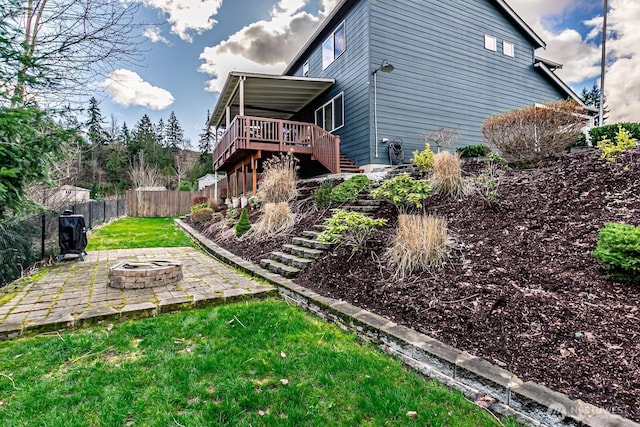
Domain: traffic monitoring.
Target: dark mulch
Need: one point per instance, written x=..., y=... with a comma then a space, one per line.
x=522, y=289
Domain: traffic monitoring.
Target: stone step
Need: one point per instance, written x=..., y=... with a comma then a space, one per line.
x=362, y=209
x=311, y=234
x=320, y=227
x=368, y=201
x=290, y=260
x=302, y=251
x=279, y=268
x=313, y=244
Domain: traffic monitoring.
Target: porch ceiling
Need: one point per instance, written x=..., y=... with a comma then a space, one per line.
x=267, y=95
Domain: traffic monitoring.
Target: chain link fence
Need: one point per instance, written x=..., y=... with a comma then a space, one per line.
x=27, y=242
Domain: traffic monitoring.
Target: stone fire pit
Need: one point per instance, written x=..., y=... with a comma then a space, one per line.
x=144, y=274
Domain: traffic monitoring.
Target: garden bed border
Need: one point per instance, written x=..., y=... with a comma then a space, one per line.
x=528, y=401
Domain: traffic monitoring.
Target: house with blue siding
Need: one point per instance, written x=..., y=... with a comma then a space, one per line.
x=378, y=72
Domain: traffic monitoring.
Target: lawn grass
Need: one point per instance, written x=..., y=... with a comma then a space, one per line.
x=250, y=363
x=130, y=233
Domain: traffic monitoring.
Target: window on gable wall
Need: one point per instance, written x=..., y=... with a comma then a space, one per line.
x=305, y=69
x=490, y=43
x=334, y=46
x=508, y=49
x=331, y=115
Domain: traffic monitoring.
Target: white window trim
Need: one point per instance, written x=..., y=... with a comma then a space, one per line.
x=333, y=111
x=508, y=49
x=305, y=69
x=333, y=46
x=490, y=43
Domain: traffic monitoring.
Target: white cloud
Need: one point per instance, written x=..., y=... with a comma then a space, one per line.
x=265, y=46
x=127, y=88
x=153, y=34
x=581, y=55
x=188, y=16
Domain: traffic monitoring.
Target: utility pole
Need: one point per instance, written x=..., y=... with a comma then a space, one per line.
x=603, y=63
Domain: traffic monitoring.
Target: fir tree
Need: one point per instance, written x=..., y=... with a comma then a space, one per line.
x=174, y=134
x=592, y=99
x=205, y=145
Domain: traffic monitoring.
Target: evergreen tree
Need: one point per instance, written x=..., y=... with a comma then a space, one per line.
x=95, y=131
x=174, y=134
x=592, y=99
x=205, y=145
x=124, y=136
x=161, y=130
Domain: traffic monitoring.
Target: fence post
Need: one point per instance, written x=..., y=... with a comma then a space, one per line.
x=43, y=226
x=90, y=213
x=104, y=211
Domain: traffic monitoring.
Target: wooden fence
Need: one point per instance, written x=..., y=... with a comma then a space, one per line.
x=163, y=203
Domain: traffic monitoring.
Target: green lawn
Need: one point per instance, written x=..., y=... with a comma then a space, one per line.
x=128, y=233
x=252, y=363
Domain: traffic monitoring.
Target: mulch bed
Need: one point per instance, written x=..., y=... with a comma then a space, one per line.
x=521, y=288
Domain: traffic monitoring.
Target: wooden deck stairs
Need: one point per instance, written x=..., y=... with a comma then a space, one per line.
x=348, y=166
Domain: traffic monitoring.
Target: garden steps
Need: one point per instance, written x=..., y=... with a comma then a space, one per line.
x=304, y=249
x=279, y=268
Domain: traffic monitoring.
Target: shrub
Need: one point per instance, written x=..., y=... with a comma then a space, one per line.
x=530, y=134
x=322, y=195
x=223, y=193
x=611, y=131
x=423, y=159
x=278, y=183
x=276, y=218
x=216, y=217
x=232, y=213
x=447, y=175
x=202, y=216
x=243, y=225
x=619, y=250
x=421, y=242
x=184, y=186
x=352, y=228
x=473, y=150
x=199, y=200
x=254, y=202
x=623, y=142
x=213, y=204
x=404, y=191
x=487, y=183
x=348, y=190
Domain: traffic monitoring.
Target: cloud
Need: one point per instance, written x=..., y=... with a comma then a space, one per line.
x=581, y=54
x=265, y=46
x=153, y=34
x=127, y=88
x=188, y=16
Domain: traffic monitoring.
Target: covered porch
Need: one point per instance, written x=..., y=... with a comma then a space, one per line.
x=253, y=121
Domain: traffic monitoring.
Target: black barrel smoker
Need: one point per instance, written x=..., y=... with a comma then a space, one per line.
x=72, y=235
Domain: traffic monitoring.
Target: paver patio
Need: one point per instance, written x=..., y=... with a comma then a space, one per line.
x=77, y=292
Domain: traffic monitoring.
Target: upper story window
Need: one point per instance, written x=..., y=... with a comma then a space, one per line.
x=508, y=49
x=305, y=69
x=331, y=115
x=490, y=43
x=334, y=46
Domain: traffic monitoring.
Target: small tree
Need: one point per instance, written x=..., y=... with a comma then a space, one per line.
x=243, y=225
x=530, y=134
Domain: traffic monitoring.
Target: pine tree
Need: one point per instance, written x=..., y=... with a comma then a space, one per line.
x=96, y=134
x=592, y=99
x=205, y=145
x=174, y=134
x=161, y=130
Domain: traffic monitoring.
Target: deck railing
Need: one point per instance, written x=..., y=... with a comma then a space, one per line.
x=257, y=133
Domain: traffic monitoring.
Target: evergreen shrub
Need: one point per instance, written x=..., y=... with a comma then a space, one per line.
x=618, y=249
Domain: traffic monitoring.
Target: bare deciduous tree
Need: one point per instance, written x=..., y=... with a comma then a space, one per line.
x=65, y=44
x=144, y=176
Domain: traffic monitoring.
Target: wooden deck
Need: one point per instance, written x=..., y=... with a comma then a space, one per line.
x=250, y=137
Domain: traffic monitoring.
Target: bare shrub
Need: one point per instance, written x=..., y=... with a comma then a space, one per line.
x=278, y=183
x=276, y=219
x=441, y=137
x=202, y=216
x=530, y=134
x=447, y=175
x=421, y=242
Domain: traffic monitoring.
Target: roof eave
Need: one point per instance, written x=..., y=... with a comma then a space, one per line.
x=525, y=27
x=551, y=75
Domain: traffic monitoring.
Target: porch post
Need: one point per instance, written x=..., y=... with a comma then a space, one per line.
x=227, y=116
x=244, y=177
x=242, y=79
x=254, y=173
x=336, y=140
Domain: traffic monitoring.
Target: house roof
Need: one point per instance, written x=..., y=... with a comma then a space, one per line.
x=502, y=5
x=294, y=93
x=543, y=67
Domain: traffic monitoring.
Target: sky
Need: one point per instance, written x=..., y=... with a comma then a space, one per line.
x=193, y=44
